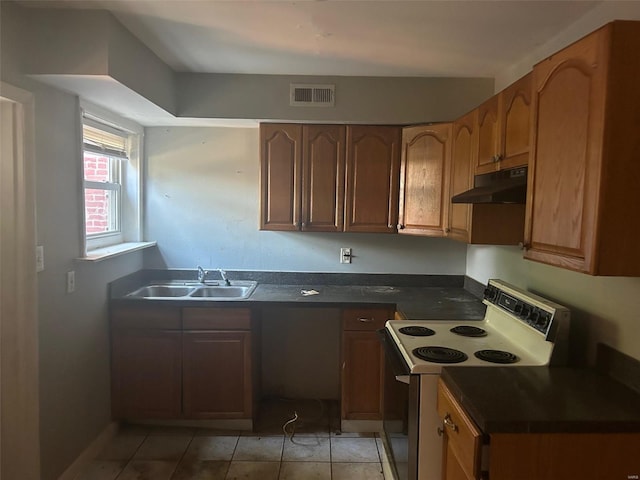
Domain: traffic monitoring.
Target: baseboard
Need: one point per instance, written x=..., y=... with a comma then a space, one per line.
x=361, y=426
x=91, y=452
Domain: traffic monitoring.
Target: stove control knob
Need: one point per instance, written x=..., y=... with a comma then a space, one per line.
x=490, y=293
x=525, y=312
x=518, y=308
x=533, y=316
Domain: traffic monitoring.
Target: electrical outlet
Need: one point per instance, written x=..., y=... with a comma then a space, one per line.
x=39, y=258
x=345, y=255
x=71, y=281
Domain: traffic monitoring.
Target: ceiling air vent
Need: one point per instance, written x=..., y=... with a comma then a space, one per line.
x=302, y=95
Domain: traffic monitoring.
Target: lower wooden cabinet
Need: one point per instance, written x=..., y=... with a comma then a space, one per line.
x=530, y=456
x=146, y=373
x=216, y=374
x=198, y=365
x=362, y=363
x=462, y=440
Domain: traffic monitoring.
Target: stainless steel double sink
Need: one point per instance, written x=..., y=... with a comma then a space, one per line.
x=237, y=290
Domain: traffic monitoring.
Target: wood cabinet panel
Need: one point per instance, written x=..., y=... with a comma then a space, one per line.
x=463, y=157
x=361, y=380
x=584, y=169
x=212, y=318
x=488, y=135
x=424, y=180
x=158, y=318
x=588, y=456
x=281, y=163
x=463, y=439
x=362, y=363
x=516, y=114
x=504, y=128
x=216, y=371
x=146, y=377
x=373, y=169
x=323, y=168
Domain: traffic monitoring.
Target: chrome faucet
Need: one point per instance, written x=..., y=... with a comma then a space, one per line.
x=223, y=274
x=201, y=274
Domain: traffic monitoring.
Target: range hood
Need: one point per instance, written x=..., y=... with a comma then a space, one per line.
x=505, y=186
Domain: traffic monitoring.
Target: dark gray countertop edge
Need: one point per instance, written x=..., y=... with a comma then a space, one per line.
x=601, y=422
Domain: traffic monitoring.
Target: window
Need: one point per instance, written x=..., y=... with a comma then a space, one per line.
x=111, y=184
x=104, y=156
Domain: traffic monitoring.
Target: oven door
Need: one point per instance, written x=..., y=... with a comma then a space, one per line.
x=401, y=397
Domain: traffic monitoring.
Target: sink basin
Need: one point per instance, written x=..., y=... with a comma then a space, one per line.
x=223, y=291
x=239, y=289
x=162, y=291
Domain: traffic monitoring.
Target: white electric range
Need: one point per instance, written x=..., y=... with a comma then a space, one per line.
x=518, y=329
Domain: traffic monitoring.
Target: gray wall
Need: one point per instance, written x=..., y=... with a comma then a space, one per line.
x=202, y=209
x=604, y=309
x=73, y=328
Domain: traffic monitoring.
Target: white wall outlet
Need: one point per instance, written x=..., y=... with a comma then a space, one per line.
x=71, y=281
x=345, y=255
x=39, y=258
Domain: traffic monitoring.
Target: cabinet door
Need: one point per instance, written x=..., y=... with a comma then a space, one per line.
x=488, y=135
x=362, y=363
x=424, y=180
x=515, y=125
x=373, y=170
x=463, y=148
x=217, y=374
x=146, y=376
x=323, y=155
x=568, y=107
x=280, y=157
x=361, y=376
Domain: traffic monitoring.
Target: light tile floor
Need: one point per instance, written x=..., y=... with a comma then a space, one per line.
x=317, y=451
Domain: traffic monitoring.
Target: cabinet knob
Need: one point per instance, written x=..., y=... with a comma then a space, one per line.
x=524, y=246
x=304, y=224
x=449, y=423
x=440, y=431
x=400, y=226
x=447, y=230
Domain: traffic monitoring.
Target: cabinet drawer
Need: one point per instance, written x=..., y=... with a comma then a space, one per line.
x=365, y=318
x=463, y=437
x=216, y=318
x=158, y=318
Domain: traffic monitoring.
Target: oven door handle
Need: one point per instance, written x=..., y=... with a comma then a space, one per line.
x=393, y=356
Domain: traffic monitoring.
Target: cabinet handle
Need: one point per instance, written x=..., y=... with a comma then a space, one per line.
x=449, y=423
x=304, y=224
x=524, y=246
x=447, y=230
x=440, y=431
x=366, y=320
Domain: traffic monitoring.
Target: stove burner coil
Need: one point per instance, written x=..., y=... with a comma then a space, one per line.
x=469, y=331
x=440, y=354
x=416, y=331
x=496, y=356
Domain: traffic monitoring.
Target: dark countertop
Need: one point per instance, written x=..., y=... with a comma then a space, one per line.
x=417, y=297
x=544, y=400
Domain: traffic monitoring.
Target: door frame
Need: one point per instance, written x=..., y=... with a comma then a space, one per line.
x=19, y=398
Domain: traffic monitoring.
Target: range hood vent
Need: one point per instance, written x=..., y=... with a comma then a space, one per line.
x=305, y=95
x=505, y=186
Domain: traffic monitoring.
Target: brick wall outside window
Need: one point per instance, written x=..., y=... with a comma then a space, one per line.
x=97, y=202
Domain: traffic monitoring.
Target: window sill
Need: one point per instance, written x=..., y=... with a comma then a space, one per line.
x=100, y=254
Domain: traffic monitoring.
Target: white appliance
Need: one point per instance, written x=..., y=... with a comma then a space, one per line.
x=518, y=329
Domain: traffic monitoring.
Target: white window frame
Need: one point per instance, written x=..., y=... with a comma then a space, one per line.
x=130, y=235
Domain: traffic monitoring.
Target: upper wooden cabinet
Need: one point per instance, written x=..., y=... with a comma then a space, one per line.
x=373, y=169
x=463, y=157
x=424, y=180
x=303, y=170
x=504, y=128
x=583, y=208
x=484, y=223
x=280, y=176
x=302, y=177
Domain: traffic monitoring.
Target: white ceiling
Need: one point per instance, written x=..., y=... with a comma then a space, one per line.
x=360, y=38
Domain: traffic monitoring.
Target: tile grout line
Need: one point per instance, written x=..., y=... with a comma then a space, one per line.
x=130, y=459
x=175, y=469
